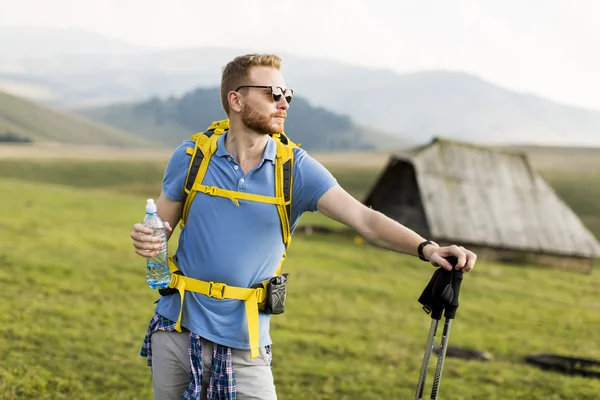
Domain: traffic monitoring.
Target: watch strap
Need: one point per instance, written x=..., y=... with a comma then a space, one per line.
x=420, y=249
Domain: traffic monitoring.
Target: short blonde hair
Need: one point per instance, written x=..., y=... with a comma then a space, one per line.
x=236, y=72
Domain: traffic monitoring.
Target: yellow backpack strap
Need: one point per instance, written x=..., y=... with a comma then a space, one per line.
x=282, y=137
x=284, y=165
x=206, y=144
x=252, y=297
x=235, y=196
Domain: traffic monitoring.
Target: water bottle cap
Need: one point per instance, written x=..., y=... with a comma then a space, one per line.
x=150, y=206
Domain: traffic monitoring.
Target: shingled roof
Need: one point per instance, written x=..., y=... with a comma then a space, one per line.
x=469, y=194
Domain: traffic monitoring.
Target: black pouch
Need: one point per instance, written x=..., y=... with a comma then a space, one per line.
x=276, y=294
x=170, y=291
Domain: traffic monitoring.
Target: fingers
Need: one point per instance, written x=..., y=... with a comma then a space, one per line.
x=461, y=255
x=140, y=228
x=146, y=249
x=471, y=259
x=168, y=226
x=465, y=258
x=438, y=260
x=144, y=244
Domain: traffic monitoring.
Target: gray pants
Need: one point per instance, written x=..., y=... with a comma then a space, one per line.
x=171, y=369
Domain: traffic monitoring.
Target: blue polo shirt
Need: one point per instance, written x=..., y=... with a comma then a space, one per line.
x=238, y=245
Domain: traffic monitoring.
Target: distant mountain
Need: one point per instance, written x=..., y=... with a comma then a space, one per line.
x=35, y=42
x=23, y=121
x=174, y=119
x=456, y=105
x=413, y=106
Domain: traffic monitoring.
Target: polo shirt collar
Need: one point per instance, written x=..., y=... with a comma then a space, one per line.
x=269, y=154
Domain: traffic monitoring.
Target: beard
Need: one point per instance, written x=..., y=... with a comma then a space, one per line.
x=259, y=123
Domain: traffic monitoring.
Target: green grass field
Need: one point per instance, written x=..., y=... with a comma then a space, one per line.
x=76, y=304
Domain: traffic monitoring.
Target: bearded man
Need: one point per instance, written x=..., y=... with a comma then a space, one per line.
x=239, y=243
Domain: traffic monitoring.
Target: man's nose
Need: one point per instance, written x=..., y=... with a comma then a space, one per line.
x=282, y=104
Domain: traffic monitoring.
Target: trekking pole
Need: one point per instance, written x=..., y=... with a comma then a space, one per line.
x=449, y=314
x=428, y=350
x=432, y=303
x=439, y=297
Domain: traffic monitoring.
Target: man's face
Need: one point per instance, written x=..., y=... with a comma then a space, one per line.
x=260, y=112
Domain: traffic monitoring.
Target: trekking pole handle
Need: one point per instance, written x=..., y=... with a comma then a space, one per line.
x=440, y=296
x=455, y=282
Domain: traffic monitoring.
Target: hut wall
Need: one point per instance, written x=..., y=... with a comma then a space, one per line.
x=397, y=196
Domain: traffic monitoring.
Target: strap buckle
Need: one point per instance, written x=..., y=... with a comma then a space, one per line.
x=216, y=290
x=211, y=190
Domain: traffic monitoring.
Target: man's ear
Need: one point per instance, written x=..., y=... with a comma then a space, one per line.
x=235, y=101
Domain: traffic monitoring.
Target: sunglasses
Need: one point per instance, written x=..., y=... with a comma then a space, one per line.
x=276, y=92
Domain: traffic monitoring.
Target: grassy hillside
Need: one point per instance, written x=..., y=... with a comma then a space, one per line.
x=22, y=119
x=573, y=173
x=79, y=306
x=581, y=193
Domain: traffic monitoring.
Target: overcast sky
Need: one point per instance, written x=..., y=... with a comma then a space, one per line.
x=550, y=48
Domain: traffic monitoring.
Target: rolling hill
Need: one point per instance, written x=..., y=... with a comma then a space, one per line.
x=24, y=121
x=175, y=119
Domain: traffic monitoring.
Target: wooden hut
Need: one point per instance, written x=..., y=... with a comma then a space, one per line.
x=486, y=199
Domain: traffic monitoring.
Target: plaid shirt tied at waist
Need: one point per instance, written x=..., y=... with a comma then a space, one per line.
x=222, y=380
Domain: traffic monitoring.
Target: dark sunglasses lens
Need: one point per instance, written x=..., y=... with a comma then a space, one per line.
x=289, y=93
x=277, y=93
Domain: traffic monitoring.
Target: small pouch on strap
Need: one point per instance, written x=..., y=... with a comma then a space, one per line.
x=276, y=294
x=169, y=291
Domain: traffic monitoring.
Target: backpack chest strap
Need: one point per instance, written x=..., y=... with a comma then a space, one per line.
x=235, y=196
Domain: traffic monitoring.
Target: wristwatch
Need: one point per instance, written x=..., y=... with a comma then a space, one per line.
x=422, y=245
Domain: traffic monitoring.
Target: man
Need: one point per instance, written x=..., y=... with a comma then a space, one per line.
x=240, y=245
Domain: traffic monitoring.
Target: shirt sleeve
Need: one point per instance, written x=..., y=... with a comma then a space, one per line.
x=311, y=181
x=176, y=171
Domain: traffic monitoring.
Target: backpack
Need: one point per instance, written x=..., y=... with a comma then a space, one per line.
x=267, y=296
x=205, y=147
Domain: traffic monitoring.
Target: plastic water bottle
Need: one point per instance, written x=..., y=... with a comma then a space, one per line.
x=158, y=273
